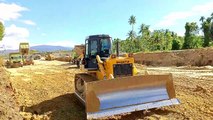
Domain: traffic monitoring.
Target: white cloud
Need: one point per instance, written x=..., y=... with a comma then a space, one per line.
x=29, y=22
x=10, y=11
x=13, y=36
x=173, y=17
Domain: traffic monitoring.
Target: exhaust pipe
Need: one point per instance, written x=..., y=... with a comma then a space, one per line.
x=117, y=48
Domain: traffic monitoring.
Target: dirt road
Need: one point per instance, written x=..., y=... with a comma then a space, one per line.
x=46, y=90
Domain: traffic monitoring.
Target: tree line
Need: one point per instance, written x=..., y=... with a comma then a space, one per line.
x=164, y=39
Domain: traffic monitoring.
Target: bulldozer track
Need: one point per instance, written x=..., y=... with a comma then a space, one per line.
x=80, y=81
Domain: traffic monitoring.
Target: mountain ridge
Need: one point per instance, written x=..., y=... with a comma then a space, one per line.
x=49, y=48
x=39, y=48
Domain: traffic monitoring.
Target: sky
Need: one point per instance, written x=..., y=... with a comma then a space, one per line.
x=68, y=22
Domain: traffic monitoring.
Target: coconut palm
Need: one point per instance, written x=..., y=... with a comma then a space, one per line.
x=208, y=19
x=142, y=27
x=212, y=15
x=202, y=18
x=131, y=34
x=144, y=30
x=132, y=21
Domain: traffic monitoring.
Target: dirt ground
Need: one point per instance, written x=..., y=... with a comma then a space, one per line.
x=45, y=91
x=8, y=107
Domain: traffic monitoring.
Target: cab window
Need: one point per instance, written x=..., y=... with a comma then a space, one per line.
x=105, y=47
x=94, y=47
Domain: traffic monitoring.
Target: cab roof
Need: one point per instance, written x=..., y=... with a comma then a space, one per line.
x=98, y=36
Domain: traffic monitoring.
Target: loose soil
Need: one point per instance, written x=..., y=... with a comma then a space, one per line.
x=9, y=109
x=192, y=57
x=45, y=91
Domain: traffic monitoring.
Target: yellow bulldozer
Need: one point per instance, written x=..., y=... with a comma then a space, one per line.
x=109, y=84
x=15, y=60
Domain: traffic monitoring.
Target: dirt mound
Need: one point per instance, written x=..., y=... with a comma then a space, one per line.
x=79, y=49
x=193, y=57
x=9, y=109
x=64, y=58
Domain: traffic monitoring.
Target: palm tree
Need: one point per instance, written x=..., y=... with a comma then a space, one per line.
x=194, y=28
x=202, y=18
x=208, y=19
x=142, y=27
x=147, y=30
x=131, y=35
x=132, y=21
x=144, y=30
x=212, y=15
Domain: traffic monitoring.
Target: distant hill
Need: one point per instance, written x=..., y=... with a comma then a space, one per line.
x=49, y=48
x=3, y=52
x=40, y=48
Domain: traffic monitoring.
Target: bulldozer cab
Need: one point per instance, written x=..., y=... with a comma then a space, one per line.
x=96, y=45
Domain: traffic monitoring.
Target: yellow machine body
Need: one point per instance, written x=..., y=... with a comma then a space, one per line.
x=106, y=68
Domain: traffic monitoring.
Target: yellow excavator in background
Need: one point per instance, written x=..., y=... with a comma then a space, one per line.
x=24, y=50
x=109, y=84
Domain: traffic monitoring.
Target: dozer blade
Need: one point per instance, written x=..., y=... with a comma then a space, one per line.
x=122, y=95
